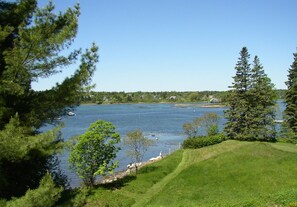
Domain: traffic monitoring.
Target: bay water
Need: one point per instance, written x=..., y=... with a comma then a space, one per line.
x=160, y=122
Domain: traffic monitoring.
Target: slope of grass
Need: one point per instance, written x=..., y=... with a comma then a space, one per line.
x=127, y=191
x=228, y=174
x=257, y=174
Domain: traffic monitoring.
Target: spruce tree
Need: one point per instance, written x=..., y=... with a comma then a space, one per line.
x=237, y=115
x=262, y=100
x=251, y=102
x=291, y=98
x=32, y=45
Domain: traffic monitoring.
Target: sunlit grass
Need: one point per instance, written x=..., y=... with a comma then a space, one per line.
x=228, y=174
x=247, y=175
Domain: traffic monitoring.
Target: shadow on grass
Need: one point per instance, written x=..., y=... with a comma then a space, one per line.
x=118, y=183
x=148, y=169
x=74, y=197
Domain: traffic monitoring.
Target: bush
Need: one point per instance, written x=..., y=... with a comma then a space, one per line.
x=213, y=130
x=203, y=141
x=46, y=195
x=287, y=140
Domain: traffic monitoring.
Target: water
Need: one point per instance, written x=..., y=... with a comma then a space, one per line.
x=162, y=121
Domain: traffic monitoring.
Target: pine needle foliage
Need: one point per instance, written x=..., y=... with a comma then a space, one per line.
x=291, y=99
x=35, y=43
x=251, y=102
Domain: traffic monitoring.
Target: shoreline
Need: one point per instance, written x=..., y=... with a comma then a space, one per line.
x=200, y=105
x=176, y=104
x=121, y=174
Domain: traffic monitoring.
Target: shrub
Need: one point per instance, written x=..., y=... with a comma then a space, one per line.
x=46, y=195
x=213, y=130
x=208, y=123
x=287, y=140
x=203, y=141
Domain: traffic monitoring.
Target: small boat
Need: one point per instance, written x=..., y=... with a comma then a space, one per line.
x=278, y=121
x=70, y=113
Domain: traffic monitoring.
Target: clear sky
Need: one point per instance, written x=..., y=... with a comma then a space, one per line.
x=181, y=45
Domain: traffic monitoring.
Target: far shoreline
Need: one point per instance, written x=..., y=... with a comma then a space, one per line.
x=201, y=104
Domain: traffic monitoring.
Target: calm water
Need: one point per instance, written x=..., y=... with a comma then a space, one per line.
x=162, y=121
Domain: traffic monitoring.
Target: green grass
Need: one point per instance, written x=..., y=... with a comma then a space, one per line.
x=128, y=190
x=228, y=174
x=250, y=174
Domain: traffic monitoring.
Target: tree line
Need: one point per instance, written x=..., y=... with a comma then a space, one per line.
x=94, y=97
x=35, y=44
x=152, y=97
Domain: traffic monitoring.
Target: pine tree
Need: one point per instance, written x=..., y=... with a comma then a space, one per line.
x=31, y=44
x=251, y=102
x=291, y=98
x=237, y=115
x=262, y=101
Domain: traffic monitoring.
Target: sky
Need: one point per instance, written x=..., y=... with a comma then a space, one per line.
x=181, y=45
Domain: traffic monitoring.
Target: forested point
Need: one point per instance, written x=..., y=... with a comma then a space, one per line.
x=161, y=97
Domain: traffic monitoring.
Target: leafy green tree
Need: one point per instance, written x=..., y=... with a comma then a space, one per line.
x=190, y=129
x=95, y=151
x=137, y=145
x=208, y=123
x=32, y=44
x=291, y=98
x=251, y=102
x=194, y=97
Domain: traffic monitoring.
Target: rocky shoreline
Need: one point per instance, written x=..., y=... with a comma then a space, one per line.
x=119, y=175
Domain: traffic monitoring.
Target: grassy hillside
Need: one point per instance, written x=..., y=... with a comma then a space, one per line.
x=228, y=174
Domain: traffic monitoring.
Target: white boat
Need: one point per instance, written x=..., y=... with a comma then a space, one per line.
x=70, y=113
x=278, y=121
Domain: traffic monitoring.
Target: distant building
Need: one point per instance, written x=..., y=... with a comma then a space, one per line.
x=214, y=100
x=172, y=98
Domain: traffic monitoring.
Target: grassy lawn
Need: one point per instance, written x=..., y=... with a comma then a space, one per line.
x=128, y=190
x=255, y=174
x=228, y=174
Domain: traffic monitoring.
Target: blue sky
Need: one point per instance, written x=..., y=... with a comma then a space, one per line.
x=181, y=45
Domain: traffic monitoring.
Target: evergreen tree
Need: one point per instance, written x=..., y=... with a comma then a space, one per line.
x=251, y=101
x=262, y=100
x=291, y=98
x=46, y=195
x=31, y=42
x=237, y=115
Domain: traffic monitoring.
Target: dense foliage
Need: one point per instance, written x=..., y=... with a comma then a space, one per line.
x=251, y=102
x=203, y=141
x=46, y=195
x=291, y=100
x=95, y=152
x=161, y=97
x=154, y=97
x=33, y=45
